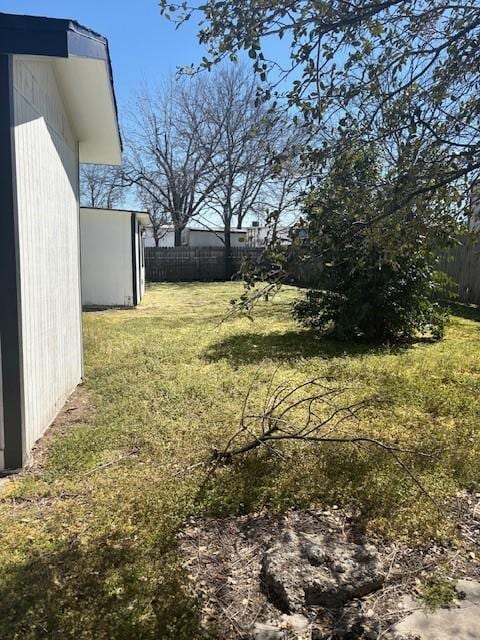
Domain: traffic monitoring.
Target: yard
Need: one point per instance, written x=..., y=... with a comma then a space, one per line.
x=88, y=537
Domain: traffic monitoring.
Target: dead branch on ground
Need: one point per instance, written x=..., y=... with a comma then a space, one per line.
x=315, y=411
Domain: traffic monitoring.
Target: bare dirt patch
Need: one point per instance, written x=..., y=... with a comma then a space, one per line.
x=223, y=559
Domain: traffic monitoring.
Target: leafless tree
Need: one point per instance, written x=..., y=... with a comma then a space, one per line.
x=242, y=160
x=204, y=149
x=101, y=186
x=284, y=188
x=159, y=218
x=170, y=150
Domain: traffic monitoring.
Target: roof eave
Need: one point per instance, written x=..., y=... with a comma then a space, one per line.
x=58, y=38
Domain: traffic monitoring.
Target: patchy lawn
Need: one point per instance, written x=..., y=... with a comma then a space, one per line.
x=88, y=548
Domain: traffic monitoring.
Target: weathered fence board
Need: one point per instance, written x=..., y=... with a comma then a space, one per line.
x=185, y=264
x=462, y=264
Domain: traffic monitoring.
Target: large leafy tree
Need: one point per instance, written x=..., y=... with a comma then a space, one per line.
x=389, y=85
x=351, y=63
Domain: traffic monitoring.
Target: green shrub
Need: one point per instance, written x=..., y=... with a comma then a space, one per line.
x=378, y=279
x=374, y=304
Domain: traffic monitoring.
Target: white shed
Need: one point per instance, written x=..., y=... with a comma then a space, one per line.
x=57, y=109
x=112, y=257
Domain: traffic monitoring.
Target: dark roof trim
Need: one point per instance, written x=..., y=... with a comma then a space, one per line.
x=32, y=35
x=134, y=260
x=54, y=37
x=10, y=293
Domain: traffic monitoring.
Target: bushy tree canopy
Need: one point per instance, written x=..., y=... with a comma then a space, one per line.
x=380, y=283
x=388, y=91
x=364, y=70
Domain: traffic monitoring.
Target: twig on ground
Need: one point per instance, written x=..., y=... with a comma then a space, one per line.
x=318, y=401
x=102, y=467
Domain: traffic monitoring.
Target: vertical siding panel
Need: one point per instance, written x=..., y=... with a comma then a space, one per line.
x=47, y=170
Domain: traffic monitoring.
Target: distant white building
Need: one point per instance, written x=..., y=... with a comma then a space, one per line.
x=254, y=236
x=165, y=235
x=214, y=237
x=195, y=237
x=474, y=219
x=260, y=236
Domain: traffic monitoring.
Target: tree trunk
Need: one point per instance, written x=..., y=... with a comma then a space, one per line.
x=228, y=252
x=178, y=237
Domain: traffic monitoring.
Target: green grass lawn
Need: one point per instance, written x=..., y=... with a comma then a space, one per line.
x=88, y=542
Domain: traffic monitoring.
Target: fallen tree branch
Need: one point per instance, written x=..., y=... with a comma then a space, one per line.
x=310, y=412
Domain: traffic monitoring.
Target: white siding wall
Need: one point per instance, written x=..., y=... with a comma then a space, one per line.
x=167, y=239
x=2, y=440
x=47, y=183
x=207, y=238
x=140, y=258
x=142, y=262
x=106, y=258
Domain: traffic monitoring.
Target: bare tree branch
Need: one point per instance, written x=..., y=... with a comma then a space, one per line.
x=325, y=420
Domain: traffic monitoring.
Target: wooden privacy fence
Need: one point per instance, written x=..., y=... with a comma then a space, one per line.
x=186, y=264
x=462, y=263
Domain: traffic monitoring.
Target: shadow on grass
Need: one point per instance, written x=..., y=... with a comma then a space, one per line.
x=466, y=311
x=367, y=480
x=103, y=590
x=291, y=345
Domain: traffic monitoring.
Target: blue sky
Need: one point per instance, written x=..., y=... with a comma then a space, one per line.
x=145, y=47
x=143, y=44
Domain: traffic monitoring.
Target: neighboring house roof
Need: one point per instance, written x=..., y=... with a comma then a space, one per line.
x=84, y=72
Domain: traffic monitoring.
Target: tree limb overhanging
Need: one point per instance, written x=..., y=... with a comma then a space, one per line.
x=362, y=71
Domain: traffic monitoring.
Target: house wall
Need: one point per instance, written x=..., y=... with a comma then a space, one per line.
x=142, y=262
x=167, y=238
x=106, y=258
x=207, y=238
x=139, y=260
x=47, y=187
x=2, y=438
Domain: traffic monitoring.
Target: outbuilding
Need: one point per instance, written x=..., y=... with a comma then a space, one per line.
x=112, y=257
x=57, y=109
x=195, y=237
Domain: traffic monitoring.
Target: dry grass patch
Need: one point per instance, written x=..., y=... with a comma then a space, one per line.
x=89, y=538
